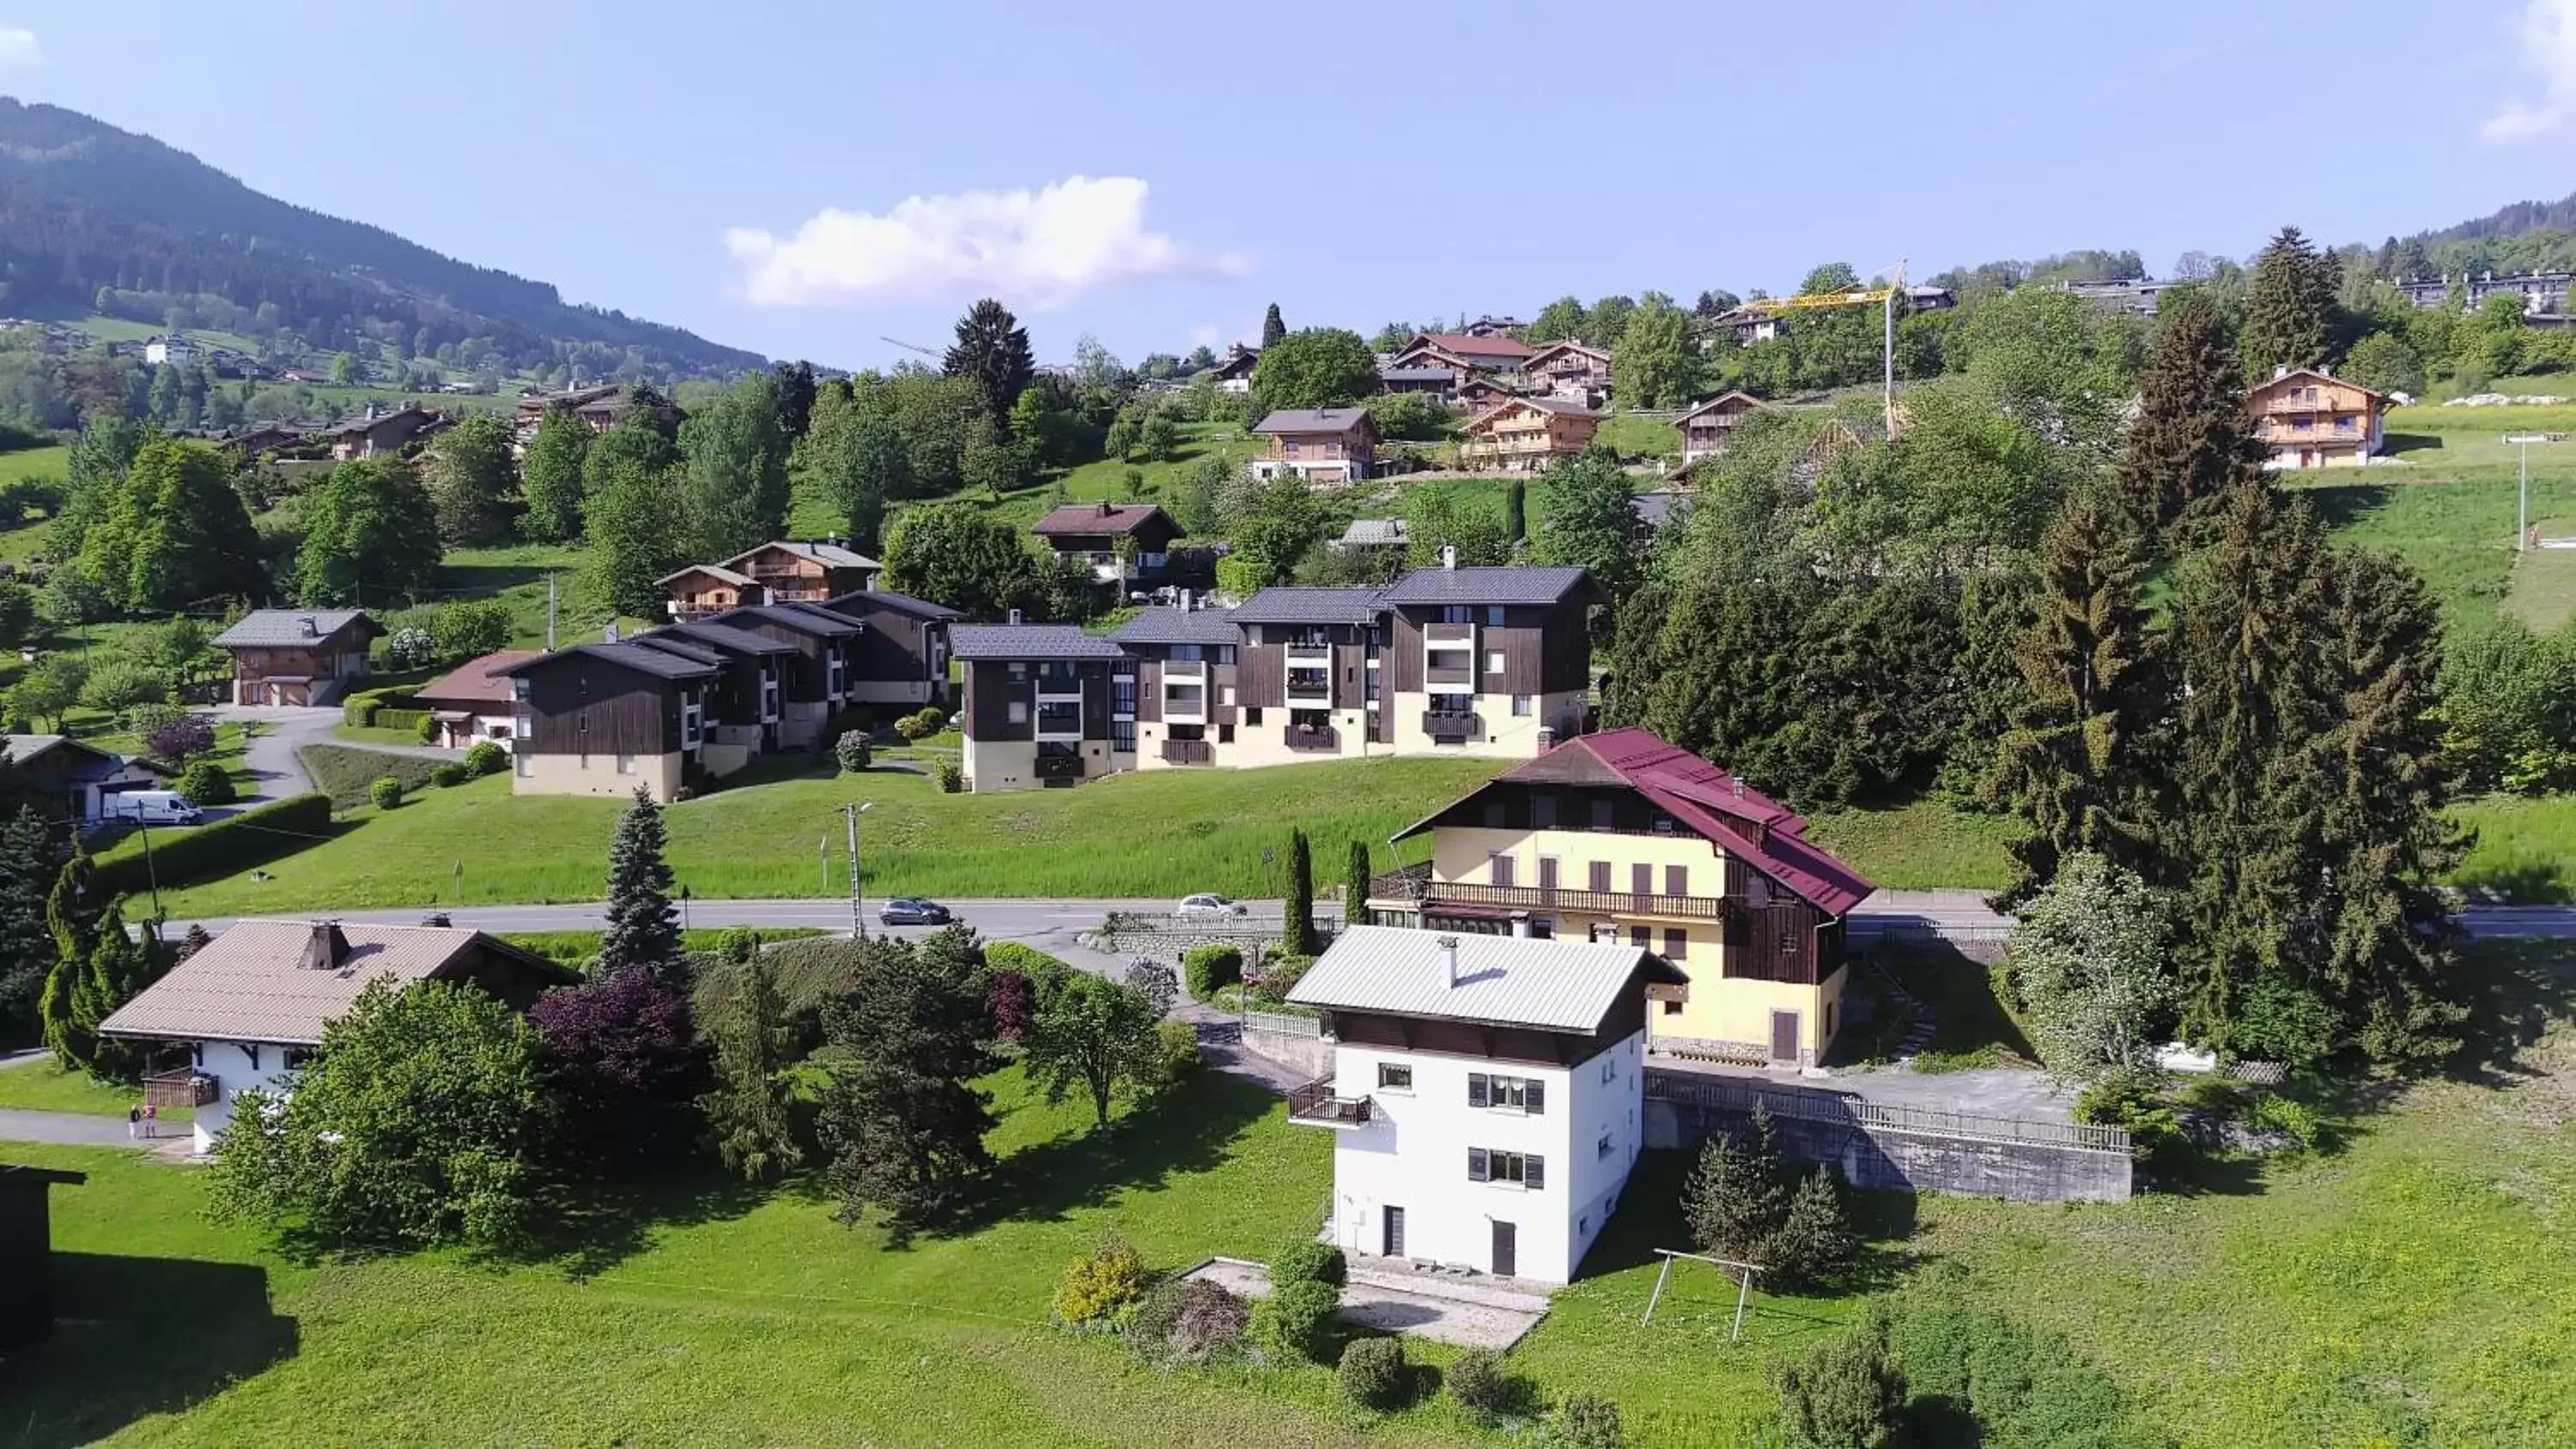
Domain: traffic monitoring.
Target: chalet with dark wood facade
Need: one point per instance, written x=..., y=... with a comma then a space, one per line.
x=1121, y=543
x=745, y=703
x=604, y=719
x=1045, y=704
x=297, y=656
x=1319, y=445
x=1570, y=371
x=1488, y=661
x=902, y=657
x=792, y=571
x=1623, y=837
x=1707, y=426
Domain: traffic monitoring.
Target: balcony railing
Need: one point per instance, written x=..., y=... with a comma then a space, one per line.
x=1463, y=634
x=1451, y=724
x=1188, y=752
x=1414, y=883
x=183, y=1088
x=1313, y=737
x=1315, y=1105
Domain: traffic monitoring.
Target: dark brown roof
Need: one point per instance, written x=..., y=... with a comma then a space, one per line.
x=476, y=681
x=1080, y=518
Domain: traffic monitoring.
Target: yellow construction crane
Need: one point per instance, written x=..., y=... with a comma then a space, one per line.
x=1882, y=297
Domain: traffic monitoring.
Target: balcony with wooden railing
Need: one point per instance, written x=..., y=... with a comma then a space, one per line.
x=1415, y=883
x=1315, y=1105
x=1314, y=738
x=1188, y=752
x=1059, y=767
x=1446, y=724
x=186, y=1087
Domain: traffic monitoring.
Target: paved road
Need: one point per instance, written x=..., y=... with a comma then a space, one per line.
x=269, y=759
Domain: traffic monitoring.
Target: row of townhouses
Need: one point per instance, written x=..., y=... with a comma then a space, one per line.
x=1447, y=660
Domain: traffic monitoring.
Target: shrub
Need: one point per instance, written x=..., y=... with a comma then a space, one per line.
x=1814, y=1243
x=486, y=757
x=1480, y=1383
x=401, y=719
x=178, y=735
x=205, y=783
x=952, y=775
x=1847, y=1394
x=853, y=751
x=223, y=847
x=358, y=710
x=1176, y=1050
x=1046, y=974
x=1373, y=1372
x=1304, y=1260
x=1189, y=1320
x=1013, y=1005
x=931, y=718
x=2136, y=1101
x=428, y=729
x=450, y=774
x=2019, y=1385
x=385, y=791
x=1100, y=1283
x=117, y=684
x=1587, y=1421
x=2288, y=1116
x=1210, y=969
x=1296, y=1320
x=1154, y=980
x=410, y=649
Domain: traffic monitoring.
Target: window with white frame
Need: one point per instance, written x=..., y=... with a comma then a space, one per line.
x=1394, y=1077
x=1019, y=711
x=1522, y=705
x=1507, y=1094
x=1493, y=661
x=1520, y=1169
x=1602, y=1148
x=626, y=764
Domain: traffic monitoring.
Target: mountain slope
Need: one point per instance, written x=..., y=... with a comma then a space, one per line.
x=85, y=207
x=2509, y=221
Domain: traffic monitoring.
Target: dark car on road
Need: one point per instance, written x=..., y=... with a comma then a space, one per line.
x=913, y=911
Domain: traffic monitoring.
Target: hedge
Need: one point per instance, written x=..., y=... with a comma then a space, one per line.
x=369, y=706
x=401, y=719
x=1208, y=969
x=225, y=847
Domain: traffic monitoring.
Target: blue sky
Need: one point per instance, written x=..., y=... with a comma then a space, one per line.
x=745, y=172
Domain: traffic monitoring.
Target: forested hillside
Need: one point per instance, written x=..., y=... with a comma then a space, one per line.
x=93, y=218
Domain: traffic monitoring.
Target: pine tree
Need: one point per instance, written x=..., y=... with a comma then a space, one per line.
x=748, y=1112
x=71, y=915
x=1736, y=1195
x=1516, y=510
x=118, y=967
x=1355, y=885
x=2079, y=761
x=2190, y=445
x=1272, y=329
x=1814, y=1242
x=642, y=929
x=27, y=864
x=992, y=349
x=905, y=1122
x=1298, y=935
x=2289, y=306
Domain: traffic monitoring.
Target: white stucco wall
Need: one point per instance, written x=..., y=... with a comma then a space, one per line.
x=236, y=1067
x=1413, y=1154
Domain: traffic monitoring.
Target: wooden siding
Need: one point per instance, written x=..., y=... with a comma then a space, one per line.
x=896, y=645
x=804, y=677
x=989, y=693
x=579, y=705
x=1546, y=650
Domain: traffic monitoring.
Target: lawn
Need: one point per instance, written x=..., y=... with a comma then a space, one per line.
x=346, y=773
x=1150, y=833
x=2542, y=592
x=43, y=1086
x=1921, y=846
x=2413, y=1287
x=1642, y=437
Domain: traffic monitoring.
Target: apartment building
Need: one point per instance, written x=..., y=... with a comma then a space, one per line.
x=1447, y=660
x=818, y=656
x=902, y=657
x=603, y=719
x=1485, y=1094
x=2306, y=417
x=1045, y=705
x=1624, y=837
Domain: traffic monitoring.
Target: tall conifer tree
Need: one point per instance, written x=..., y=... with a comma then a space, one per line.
x=71, y=915
x=642, y=930
x=2189, y=445
x=27, y=865
x=2289, y=306
x=1272, y=328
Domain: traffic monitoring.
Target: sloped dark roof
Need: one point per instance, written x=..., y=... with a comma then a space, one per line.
x=1179, y=626
x=802, y=617
x=1102, y=518
x=625, y=655
x=1313, y=420
x=689, y=649
x=1030, y=641
x=725, y=636
x=277, y=628
x=476, y=681
x=1486, y=585
x=1289, y=605
x=901, y=603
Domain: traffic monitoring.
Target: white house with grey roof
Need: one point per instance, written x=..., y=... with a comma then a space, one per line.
x=1485, y=1094
x=250, y=1006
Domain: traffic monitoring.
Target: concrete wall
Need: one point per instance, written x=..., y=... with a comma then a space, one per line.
x=1508, y=736
x=1311, y=1055
x=1880, y=1157
x=535, y=774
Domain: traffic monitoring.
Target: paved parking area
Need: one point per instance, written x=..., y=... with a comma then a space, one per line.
x=1458, y=1313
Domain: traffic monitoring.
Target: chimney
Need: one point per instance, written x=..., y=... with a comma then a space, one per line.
x=308, y=628
x=1448, y=555
x=1105, y=509
x=325, y=947
x=1447, y=947
x=1015, y=616
x=2280, y=370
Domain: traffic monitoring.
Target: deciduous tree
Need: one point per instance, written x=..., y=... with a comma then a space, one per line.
x=370, y=537
x=1587, y=519
x=2093, y=959
x=1319, y=367
x=1097, y=1035
x=956, y=554
x=469, y=475
x=733, y=456
x=632, y=511
x=550, y=478
x=1653, y=361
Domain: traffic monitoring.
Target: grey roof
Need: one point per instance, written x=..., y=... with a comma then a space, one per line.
x=1417, y=374
x=99, y=765
x=1373, y=532
x=716, y=570
x=1506, y=980
x=1030, y=641
x=1654, y=509
x=1485, y=585
x=830, y=555
x=253, y=983
x=726, y=636
x=629, y=655
x=274, y=627
x=900, y=603
x=1179, y=626
x=689, y=649
x=803, y=617
x=1312, y=420
x=1290, y=605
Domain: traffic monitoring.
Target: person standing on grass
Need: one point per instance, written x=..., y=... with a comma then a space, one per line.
x=133, y=1123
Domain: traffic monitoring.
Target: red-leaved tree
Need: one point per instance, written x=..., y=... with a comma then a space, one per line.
x=625, y=1055
x=1013, y=1003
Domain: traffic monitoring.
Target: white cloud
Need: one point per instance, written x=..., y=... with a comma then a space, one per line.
x=19, y=50
x=1033, y=249
x=2545, y=38
x=1206, y=334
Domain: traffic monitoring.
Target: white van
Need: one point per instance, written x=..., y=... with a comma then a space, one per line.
x=152, y=807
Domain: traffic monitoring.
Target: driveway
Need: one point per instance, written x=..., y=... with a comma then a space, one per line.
x=1442, y=1308
x=270, y=756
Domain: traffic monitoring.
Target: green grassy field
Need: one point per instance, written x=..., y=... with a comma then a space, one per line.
x=1647, y=437
x=2414, y=1287
x=44, y=1086
x=1919, y=846
x=2542, y=592
x=1152, y=833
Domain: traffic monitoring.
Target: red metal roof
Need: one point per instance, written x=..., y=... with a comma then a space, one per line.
x=1741, y=820
x=476, y=681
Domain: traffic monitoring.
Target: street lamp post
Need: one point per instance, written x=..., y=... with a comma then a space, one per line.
x=2522, y=495
x=858, y=913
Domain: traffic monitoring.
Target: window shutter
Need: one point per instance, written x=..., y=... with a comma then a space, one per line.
x=1535, y=1172
x=1476, y=1090
x=1476, y=1171
x=1536, y=1099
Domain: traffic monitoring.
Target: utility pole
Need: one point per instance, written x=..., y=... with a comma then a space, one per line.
x=858, y=913
x=151, y=872
x=550, y=613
